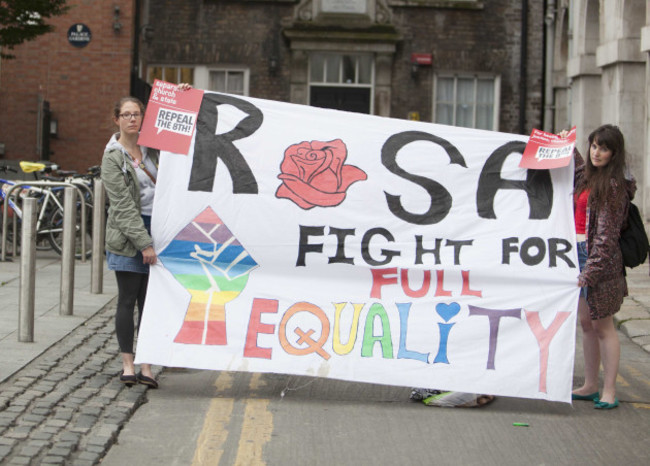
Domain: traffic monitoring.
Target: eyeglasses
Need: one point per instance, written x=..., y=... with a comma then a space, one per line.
x=128, y=116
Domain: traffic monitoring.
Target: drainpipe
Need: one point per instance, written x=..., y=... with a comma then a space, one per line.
x=549, y=104
x=136, y=47
x=523, y=67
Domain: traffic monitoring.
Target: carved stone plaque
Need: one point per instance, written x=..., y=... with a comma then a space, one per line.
x=344, y=6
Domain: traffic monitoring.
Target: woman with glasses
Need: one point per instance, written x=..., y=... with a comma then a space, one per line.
x=129, y=174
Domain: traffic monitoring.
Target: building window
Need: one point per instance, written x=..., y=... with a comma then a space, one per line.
x=341, y=81
x=228, y=81
x=470, y=101
x=171, y=74
x=340, y=69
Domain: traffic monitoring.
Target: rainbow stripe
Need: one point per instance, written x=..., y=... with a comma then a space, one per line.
x=213, y=266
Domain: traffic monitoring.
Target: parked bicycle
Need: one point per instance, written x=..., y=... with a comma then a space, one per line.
x=49, y=223
x=85, y=182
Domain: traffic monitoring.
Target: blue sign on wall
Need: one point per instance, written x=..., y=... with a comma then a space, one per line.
x=79, y=35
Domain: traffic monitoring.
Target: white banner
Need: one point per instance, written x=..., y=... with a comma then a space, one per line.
x=307, y=241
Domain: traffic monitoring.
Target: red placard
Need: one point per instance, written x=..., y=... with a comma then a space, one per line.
x=548, y=150
x=170, y=119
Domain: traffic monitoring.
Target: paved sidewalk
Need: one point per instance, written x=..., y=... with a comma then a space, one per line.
x=60, y=399
x=634, y=317
x=49, y=325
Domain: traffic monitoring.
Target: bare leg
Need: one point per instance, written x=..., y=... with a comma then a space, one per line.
x=146, y=370
x=127, y=364
x=590, y=349
x=610, y=350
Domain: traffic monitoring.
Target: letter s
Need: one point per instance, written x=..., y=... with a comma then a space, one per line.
x=440, y=197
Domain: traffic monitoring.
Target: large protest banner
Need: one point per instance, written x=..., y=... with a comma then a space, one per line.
x=308, y=241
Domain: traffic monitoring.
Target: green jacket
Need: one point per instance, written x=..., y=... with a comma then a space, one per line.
x=125, y=231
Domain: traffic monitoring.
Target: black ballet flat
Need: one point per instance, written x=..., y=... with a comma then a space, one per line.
x=148, y=381
x=128, y=380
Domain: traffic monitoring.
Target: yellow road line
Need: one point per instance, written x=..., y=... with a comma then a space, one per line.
x=637, y=374
x=209, y=446
x=255, y=433
x=256, y=381
x=641, y=405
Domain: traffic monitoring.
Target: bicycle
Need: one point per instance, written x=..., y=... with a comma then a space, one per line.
x=85, y=182
x=49, y=223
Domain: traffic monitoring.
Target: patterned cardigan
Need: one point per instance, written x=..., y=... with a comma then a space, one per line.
x=604, y=271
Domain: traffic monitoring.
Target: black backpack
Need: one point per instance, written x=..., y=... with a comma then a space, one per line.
x=634, y=240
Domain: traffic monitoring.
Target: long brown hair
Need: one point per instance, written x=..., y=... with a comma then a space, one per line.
x=599, y=180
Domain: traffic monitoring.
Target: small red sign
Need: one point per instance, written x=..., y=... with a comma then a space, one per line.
x=422, y=58
x=548, y=150
x=170, y=119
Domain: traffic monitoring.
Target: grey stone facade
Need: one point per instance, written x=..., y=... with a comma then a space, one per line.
x=601, y=60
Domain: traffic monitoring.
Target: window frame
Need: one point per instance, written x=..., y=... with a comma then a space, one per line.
x=476, y=76
x=340, y=83
x=202, y=74
x=227, y=70
x=170, y=66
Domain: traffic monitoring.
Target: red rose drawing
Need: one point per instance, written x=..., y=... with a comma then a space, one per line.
x=314, y=174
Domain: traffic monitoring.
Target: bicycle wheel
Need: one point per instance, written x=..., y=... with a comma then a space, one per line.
x=54, y=231
x=43, y=243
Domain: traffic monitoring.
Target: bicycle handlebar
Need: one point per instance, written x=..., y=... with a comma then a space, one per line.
x=7, y=168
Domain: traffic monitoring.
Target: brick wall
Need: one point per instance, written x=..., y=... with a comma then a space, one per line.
x=460, y=39
x=81, y=85
x=223, y=33
x=485, y=40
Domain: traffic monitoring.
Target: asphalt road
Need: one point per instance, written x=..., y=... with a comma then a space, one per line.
x=229, y=418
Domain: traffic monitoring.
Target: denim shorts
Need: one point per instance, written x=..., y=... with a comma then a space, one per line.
x=135, y=264
x=582, y=260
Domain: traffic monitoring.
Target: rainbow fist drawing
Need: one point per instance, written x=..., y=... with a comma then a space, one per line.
x=213, y=266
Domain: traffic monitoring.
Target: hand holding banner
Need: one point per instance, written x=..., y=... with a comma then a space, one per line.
x=548, y=150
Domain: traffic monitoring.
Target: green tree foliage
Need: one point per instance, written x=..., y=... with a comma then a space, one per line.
x=24, y=20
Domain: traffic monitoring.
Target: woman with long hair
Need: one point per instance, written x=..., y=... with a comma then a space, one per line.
x=601, y=200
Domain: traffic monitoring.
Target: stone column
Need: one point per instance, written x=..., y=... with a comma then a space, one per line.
x=585, y=88
x=643, y=198
x=624, y=99
x=299, y=78
x=383, y=79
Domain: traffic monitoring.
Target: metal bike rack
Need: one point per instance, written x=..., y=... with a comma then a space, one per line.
x=27, y=292
x=99, y=231
x=43, y=184
x=84, y=186
x=66, y=297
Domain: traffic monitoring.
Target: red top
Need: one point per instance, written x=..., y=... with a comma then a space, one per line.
x=580, y=214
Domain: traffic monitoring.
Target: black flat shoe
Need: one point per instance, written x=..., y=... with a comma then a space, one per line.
x=148, y=381
x=128, y=380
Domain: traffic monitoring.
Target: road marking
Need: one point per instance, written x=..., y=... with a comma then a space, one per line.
x=256, y=428
x=255, y=433
x=637, y=374
x=256, y=381
x=641, y=405
x=620, y=381
x=209, y=445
